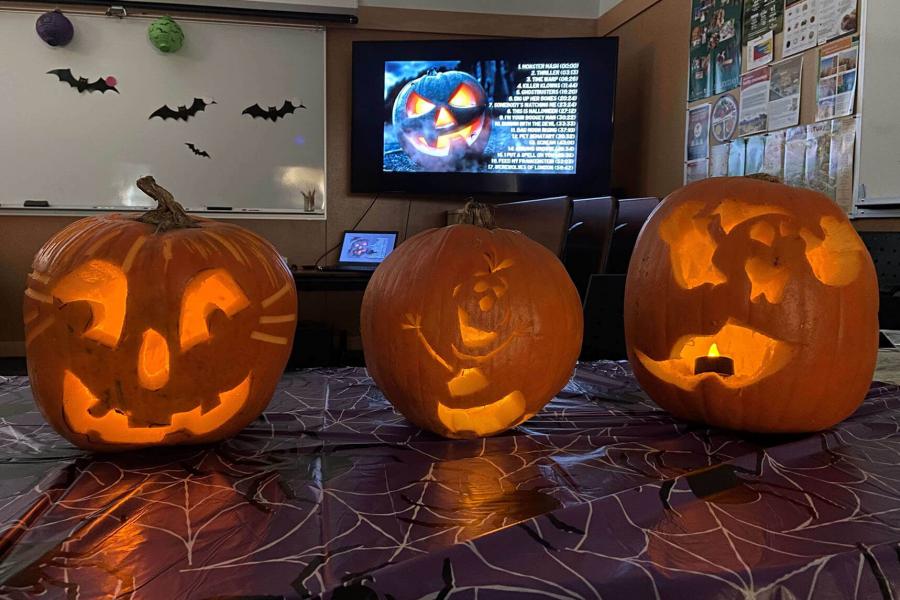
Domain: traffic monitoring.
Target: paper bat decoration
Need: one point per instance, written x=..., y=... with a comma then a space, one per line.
x=197, y=150
x=101, y=85
x=182, y=113
x=271, y=113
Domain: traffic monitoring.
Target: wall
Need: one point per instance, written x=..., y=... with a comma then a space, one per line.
x=303, y=241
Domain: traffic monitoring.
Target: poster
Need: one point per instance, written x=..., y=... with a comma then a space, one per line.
x=761, y=16
x=736, y=152
x=697, y=134
x=818, y=158
x=700, y=83
x=843, y=140
x=795, y=156
x=724, y=118
x=836, y=18
x=784, y=93
x=801, y=31
x=715, y=55
x=725, y=45
x=718, y=160
x=696, y=170
x=760, y=51
x=754, y=102
x=836, y=88
x=773, y=159
x=756, y=148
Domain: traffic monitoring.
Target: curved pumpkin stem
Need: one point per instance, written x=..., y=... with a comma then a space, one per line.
x=168, y=214
x=479, y=214
x=764, y=177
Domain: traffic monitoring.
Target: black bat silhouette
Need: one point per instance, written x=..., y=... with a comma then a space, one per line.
x=271, y=113
x=81, y=83
x=182, y=113
x=197, y=150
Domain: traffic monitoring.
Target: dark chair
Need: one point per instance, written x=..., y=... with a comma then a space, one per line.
x=545, y=220
x=633, y=212
x=884, y=246
x=589, y=238
x=604, y=318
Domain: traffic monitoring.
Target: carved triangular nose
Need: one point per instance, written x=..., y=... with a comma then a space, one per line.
x=153, y=360
x=444, y=118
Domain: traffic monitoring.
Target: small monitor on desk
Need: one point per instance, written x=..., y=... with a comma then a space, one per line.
x=364, y=249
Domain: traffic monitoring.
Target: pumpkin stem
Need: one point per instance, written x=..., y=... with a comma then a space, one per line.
x=764, y=177
x=479, y=214
x=168, y=214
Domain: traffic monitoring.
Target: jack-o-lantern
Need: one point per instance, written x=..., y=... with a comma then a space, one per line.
x=752, y=305
x=156, y=329
x=441, y=119
x=470, y=330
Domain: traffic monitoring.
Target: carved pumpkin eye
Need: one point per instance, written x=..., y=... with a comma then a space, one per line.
x=206, y=292
x=417, y=106
x=104, y=286
x=463, y=97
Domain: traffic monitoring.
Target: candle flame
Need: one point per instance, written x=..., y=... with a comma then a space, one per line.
x=713, y=351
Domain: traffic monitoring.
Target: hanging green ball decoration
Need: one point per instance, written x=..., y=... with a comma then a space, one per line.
x=166, y=34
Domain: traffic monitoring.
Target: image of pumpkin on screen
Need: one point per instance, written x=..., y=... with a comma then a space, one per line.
x=498, y=116
x=156, y=329
x=469, y=331
x=752, y=305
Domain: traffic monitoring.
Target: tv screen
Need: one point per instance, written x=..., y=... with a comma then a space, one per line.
x=524, y=116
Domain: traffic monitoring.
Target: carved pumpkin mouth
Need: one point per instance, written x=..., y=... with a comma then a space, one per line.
x=494, y=416
x=755, y=355
x=80, y=406
x=441, y=144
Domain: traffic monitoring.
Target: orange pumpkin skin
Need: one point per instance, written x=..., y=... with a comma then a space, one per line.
x=779, y=280
x=470, y=331
x=137, y=337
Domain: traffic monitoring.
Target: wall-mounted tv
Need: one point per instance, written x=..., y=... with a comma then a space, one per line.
x=522, y=116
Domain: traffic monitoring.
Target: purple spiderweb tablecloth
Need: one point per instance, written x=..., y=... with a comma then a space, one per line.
x=331, y=493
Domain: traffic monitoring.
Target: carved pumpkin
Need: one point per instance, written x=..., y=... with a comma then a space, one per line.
x=469, y=330
x=156, y=329
x=776, y=281
x=441, y=118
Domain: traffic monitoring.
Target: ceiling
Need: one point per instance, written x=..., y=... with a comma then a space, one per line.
x=582, y=9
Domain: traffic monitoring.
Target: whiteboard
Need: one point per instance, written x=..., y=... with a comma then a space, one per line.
x=878, y=152
x=85, y=150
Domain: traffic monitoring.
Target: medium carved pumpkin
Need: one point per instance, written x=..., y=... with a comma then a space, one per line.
x=772, y=278
x=156, y=329
x=469, y=330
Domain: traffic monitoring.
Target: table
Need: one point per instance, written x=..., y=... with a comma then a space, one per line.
x=332, y=493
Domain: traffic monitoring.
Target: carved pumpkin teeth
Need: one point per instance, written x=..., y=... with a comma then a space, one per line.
x=756, y=356
x=442, y=143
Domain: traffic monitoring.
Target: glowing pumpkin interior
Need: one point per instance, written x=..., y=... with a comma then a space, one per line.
x=694, y=234
x=104, y=287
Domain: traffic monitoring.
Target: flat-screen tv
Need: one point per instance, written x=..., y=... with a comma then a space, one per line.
x=521, y=116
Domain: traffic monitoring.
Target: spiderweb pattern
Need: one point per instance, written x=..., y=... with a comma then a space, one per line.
x=331, y=493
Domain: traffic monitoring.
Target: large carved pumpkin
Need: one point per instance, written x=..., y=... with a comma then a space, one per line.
x=157, y=329
x=441, y=118
x=772, y=278
x=469, y=331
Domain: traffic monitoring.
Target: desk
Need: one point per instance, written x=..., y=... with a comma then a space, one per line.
x=332, y=493
x=313, y=280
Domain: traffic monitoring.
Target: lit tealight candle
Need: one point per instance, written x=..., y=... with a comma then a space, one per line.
x=714, y=363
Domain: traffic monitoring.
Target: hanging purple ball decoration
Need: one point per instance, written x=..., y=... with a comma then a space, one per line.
x=54, y=28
